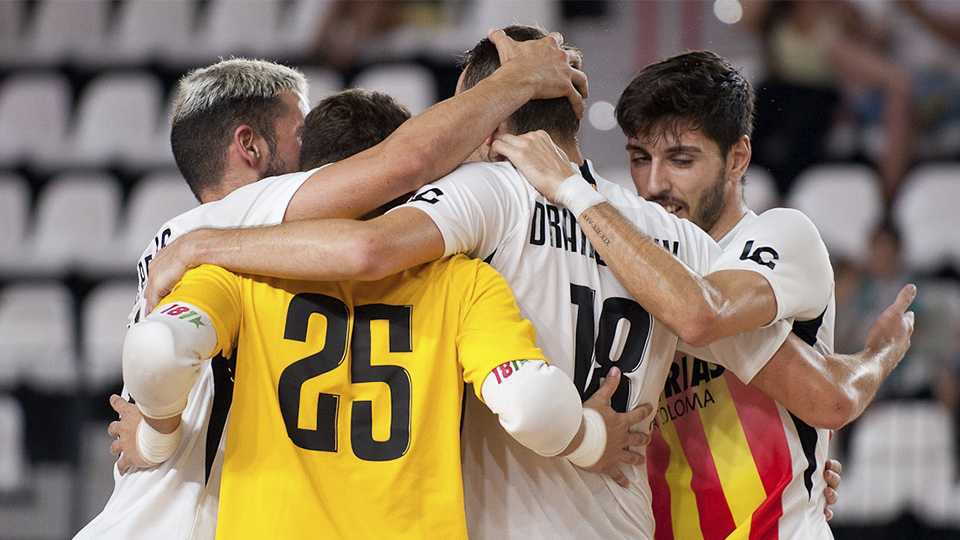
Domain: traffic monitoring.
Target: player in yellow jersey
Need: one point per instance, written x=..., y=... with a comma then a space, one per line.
x=346, y=414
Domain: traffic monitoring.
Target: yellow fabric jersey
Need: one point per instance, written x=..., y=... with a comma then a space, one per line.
x=347, y=399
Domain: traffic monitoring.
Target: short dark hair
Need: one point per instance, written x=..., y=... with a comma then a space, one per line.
x=347, y=123
x=692, y=90
x=555, y=116
x=213, y=101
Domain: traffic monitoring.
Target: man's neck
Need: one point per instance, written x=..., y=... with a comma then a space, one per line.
x=732, y=215
x=573, y=152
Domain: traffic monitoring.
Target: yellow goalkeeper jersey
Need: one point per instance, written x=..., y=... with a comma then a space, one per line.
x=347, y=399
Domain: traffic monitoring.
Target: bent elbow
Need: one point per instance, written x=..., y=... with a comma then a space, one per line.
x=698, y=331
x=367, y=260
x=843, y=409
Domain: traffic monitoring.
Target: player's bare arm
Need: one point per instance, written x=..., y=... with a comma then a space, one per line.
x=831, y=391
x=317, y=250
x=434, y=142
x=698, y=309
x=827, y=392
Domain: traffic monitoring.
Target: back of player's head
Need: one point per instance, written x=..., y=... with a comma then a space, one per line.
x=555, y=116
x=213, y=101
x=347, y=123
x=692, y=90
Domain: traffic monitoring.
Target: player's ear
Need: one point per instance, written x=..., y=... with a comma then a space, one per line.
x=738, y=158
x=485, y=150
x=248, y=145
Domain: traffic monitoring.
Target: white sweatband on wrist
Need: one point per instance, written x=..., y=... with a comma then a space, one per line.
x=576, y=194
x=594, y=440
x=161, y=357
x=536, y=404
x=156, y=447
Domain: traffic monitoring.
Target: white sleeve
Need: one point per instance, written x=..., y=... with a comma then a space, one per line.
x=784, y=246
x=537, y=405
x=260, y=203
x=744, y=354
x=475, y=206
x=161, y=357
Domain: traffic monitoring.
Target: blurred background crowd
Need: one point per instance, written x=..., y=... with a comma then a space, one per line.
x=858, y=125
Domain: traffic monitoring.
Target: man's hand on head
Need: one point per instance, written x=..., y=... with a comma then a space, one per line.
x=555, y=71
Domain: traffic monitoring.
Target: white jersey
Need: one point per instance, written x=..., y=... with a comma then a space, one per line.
x=179, y=498
x=707, y=413
x=586, y=323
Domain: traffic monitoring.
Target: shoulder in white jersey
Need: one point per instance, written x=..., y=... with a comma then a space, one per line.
x=586, y=323
x=178, y=499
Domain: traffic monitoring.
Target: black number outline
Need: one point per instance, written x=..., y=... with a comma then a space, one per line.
x=325, y=437
x=592, y=356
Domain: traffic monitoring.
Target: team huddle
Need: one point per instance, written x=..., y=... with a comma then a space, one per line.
x=451, y=325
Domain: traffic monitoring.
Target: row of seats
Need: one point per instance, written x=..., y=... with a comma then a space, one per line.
x=902, y=459
x=80, y=223
x=120, y=118
x=104, y=33
x=138, y=32
x=845, y=202
x=50, y=343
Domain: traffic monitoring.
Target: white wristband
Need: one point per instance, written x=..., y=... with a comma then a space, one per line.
x=576, y=194
x=594, y=440
x=156, y=447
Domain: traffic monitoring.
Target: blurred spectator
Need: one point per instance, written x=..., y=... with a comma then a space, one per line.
x=818, y=53
x=352, y=25
x=925, y=37
x=863, y=293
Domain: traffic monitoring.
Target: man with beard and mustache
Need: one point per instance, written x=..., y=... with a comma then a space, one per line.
x=741, y=446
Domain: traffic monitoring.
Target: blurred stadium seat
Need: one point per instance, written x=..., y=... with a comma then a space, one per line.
x=926, y=211
x=844, y=202
x=74, y=226
x=103, y=325
x=35, y=112
x=38, y=336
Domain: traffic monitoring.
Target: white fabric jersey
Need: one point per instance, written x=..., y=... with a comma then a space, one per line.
x=176, y=500
x=785, y=247
x=586, y=323
x=774, y=488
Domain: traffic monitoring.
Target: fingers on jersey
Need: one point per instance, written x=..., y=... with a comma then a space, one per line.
x=161, y=357
x=536, y=403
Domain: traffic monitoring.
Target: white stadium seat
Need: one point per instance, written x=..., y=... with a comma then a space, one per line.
x=35, y=109
x=237, y=28
x=901, y=458
x=116, y=122
x=926, y=211
x=154, y=199
x=67, y=31
x=74, y=225
x=844, y=201
x=37, y=335
x=152, y=30
x=323, y=82
x=103, y=325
